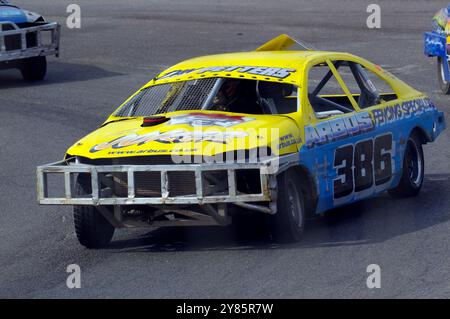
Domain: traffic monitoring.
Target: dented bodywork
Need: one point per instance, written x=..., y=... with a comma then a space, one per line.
x=169, y=152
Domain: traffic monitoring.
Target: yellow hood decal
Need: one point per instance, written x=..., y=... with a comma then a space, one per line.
x=193, y=133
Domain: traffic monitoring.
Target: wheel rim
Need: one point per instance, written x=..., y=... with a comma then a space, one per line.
x=295, y=206
x=442, y=72
x=414, y=163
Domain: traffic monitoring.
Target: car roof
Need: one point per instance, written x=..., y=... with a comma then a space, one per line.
x=273, y=61
x=265, y=58
x=257, y=65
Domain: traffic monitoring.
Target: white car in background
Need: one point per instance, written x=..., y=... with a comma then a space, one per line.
x=26, y=38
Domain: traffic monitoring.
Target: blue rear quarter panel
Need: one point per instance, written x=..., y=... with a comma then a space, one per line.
x=396, y=119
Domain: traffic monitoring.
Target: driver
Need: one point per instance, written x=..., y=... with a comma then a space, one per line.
x=226, y=96
x=441, y=24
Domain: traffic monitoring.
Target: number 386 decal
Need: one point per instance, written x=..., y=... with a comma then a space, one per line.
x=363, y=165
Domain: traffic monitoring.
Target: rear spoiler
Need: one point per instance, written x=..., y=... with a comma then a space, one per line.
x=282, y=43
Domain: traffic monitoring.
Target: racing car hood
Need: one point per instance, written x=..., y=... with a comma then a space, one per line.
x=9, y=13
x=205, y=133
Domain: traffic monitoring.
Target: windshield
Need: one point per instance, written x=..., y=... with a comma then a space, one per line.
x=218, y=94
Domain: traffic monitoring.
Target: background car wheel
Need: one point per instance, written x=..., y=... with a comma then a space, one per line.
x=34, y=69
x=413, y=169
x=92, y=229
x=288, y=224
x=444, y=85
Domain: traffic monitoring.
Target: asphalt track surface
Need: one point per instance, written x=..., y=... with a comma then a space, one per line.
x=120, y=46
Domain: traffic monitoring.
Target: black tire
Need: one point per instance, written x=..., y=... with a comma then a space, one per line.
x=443, y=84
x=412, y=171
x=288, y=224
x=34, y=69
x=92, y=229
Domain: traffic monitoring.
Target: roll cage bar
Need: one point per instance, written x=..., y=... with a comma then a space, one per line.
x=368, y=93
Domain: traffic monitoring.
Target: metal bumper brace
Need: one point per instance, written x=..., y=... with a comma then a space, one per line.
x=41, y=48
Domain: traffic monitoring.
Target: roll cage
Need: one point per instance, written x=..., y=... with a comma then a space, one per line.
x=369, y=94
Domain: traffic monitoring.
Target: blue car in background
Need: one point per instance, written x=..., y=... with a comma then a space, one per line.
x=26, y=38
x=436, y=44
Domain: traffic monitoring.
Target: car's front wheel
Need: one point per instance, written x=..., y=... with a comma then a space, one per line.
x=92, y=229
x=288, y=224
x=34, y=69
x=413, y=169
x=444, y=84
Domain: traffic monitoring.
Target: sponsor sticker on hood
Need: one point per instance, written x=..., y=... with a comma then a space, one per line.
x=201, y=119
x=170, y=137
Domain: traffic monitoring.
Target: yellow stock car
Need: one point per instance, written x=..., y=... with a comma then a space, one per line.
x=279, y=133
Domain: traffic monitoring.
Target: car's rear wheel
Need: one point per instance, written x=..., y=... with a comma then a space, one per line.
x=288, y=224
x=92, y=229
x=413, y=169
x=444, y=85
x=33, y=69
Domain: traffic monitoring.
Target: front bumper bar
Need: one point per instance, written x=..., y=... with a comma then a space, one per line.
x=68, y=169
x=42, y=47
